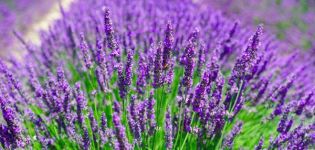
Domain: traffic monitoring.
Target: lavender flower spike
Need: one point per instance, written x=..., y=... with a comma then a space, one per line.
x=121, y=81
x=16, y=140
x=168, y=43
x=245, y=62
x=157, y=78
x=86, y=139
x=128, y=68
x=189, y=65
x=198, y=102
x=303, y=102
x=228, y=141
x=110, y=35
x=81, y=103
x=120, y=133
x=85, y=52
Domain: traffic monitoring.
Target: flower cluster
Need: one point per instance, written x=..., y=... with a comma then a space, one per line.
x=160, y=75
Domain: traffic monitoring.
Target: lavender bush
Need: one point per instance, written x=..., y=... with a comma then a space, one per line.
x=149, y=74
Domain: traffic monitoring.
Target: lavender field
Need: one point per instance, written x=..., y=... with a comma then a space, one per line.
x=167, y=74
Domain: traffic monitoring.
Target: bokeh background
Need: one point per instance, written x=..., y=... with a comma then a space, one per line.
x=28, y=17
x=292, y=21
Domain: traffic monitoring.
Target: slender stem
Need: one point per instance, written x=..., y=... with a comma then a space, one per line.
x=178, y=137
x=186, y=137
x=230, y=110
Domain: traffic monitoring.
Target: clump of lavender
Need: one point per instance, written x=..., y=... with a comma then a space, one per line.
x=145, y=84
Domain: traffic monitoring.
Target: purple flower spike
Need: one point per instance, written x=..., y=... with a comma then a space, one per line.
x=100, y=54
x=189, y=65
x=194, y=36
x=120, y=133
x=303, y=102
x=201, y=59
x=128, y=68
x=81, y=103
x=110, y=35
x=213, y=66
x=13, y=83
x=198, y=102
x=100, y=73
x=246, y=61
x=168, y=45
x=85, y=52
x=121, y=81
x=157, y=78
x=187, y=120
x=86, y=139
x=4, y=136
x=228, y=141
x=64, y=87
x=284, y=123
x=16, y=139
x=117, y=107
x=142, y=73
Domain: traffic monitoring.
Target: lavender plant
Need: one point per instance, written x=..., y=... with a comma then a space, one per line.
x=155, y=75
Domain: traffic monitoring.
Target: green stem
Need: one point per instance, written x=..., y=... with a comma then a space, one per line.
x=178, y=137
x=186, y=137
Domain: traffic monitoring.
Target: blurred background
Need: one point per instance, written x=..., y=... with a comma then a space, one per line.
x=291, y=21
x=27, y=17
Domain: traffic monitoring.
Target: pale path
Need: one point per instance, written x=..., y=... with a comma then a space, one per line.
x=42, y=24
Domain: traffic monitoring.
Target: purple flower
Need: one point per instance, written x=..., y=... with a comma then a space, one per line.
x=303, y=102
x=142, y=118
x=157, y=77
x=228, y=141
x=201, y=59
x=81, y=103
x=86, y=139
x=218, y=90
x=15, y=136
x=117, y=107
x=245, y=62
x=142, y=73
x=12, y=81
x=128, y=68
x=189, y=65
x=5, y=137
x=194, y=36
x=187, y=120
x=260, y=144
x=100, y=73
x=213, y=66
x=100, y=54
x=64, y=87
x=284, y=124
x=198, y=102
x=85, y=52
x=121, y=81
x=120, y=133
x=168, y=44
x=110, y=35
